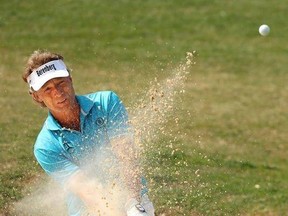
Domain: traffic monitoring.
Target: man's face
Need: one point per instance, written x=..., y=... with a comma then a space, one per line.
x=57, y=94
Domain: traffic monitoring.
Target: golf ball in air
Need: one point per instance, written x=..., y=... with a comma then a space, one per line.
x=264, y=30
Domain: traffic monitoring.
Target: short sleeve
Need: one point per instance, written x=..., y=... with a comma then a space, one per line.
x=117, y=115
x=55, y=164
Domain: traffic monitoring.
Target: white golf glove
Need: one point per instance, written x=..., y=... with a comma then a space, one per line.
x=134, y=208
x=147, y=205
x=144, y=208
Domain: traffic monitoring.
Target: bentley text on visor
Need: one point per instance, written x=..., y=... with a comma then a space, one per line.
x=46, y=72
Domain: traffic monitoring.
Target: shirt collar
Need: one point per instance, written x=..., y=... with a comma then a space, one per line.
x=85, y=105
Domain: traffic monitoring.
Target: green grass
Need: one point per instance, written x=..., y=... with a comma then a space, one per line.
x=236, y=94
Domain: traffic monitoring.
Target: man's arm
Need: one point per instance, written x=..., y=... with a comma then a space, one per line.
x=128, y=157
x=96, y=198
x=127, y=152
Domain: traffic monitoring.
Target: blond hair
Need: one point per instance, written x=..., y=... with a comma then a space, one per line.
x=38, y=58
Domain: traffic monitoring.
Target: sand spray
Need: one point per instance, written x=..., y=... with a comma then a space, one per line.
x=148, y=118
x=161, y=158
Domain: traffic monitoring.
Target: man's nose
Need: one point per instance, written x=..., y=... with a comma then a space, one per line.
x=58, y=91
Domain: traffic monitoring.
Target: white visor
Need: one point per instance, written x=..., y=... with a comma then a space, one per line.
x=46, y=72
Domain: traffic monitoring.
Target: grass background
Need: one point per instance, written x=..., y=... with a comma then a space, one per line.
x=236, y=135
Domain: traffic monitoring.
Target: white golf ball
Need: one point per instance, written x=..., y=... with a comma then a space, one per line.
x=264, y=30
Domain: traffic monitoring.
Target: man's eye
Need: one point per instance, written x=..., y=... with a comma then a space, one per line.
x=47, y=90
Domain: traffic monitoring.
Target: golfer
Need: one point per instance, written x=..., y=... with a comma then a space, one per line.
x=85, y=135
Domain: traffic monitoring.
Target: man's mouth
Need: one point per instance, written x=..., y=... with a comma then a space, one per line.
x=62, y=101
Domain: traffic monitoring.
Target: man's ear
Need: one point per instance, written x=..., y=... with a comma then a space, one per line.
x=36, y=97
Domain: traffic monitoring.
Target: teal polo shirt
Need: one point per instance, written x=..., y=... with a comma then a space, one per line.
x=61, y=151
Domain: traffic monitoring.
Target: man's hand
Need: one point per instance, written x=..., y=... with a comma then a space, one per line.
x=147, y=205
x=144, y=208
x=134, y=208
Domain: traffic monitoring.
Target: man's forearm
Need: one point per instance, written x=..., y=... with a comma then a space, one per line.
x=128, y=158
x=97, y=199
